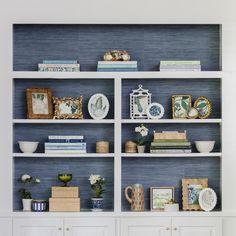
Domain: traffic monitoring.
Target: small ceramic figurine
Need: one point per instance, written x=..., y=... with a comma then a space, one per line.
x=116, y=55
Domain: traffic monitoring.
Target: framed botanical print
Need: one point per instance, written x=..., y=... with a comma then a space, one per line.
x=191, y=189
x=181, y=105
x=68, y=108
x=39, y=103
x=140, y=99
x=160, y=196
x=203, y=106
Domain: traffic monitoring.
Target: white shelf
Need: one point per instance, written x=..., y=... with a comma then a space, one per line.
x=212, y=154
x=63, y=155
x=174, y=121
x=112, y=75
x=69, y=121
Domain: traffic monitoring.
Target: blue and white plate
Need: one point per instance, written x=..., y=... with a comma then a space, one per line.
x=155, y=111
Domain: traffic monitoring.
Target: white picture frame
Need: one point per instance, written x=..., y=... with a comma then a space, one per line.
x=98, y=106
x=140, y=99
x=155, y=111
x=207, y=199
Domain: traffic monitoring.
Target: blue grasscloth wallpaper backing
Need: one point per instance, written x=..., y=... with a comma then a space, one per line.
x=148, y=44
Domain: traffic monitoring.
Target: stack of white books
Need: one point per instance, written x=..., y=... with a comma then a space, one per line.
x=65, y=144
x=59, y=66
x=180, y=66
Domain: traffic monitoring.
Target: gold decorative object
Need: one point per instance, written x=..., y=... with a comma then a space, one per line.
x=203, y=106
x=39, y=103
x=191, y=189
x=116, y=55
x=102, y=147
x=68, y=108
x=130, y=147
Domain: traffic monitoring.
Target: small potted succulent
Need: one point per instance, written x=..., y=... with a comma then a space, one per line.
x=142, y=141
x=97, y=183
x=26, y=194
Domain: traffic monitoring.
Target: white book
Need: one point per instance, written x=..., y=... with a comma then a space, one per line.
x=59, y=65
x=65, y=137
x=65, y=151
x=117, y=62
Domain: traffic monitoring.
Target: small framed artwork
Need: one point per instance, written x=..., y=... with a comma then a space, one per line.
x=181, y=105
x=155, y=111
x=98, y=106
x=139, y=101
x=191, y=189
x=203, y=106
x=159, y=196
x=68, y=108
x=39, y=103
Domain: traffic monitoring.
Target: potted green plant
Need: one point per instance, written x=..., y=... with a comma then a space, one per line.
x=26, y=194
x=97, y=183
x=142, y=141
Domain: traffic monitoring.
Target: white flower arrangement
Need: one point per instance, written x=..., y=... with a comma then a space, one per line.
x=143, y=131
x=97, y=182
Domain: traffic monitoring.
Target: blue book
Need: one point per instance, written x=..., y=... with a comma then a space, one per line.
x=65, y=144
x=65, y=148
x=66, y=140
x=60, y=62
x=117, y=69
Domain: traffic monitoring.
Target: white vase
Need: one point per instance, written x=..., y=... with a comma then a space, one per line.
x=26, y=204
x=141, y=148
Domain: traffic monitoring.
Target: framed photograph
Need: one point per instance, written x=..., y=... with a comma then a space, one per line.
x=68, y=108
x=140, y=99
x=181, y=105
x=155, y=111
x=39, y=103
x=203, y=106
x=98, y=106
x=191, y=189
x=159, y=196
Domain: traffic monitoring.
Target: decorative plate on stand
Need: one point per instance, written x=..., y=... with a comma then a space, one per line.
x=155, y=111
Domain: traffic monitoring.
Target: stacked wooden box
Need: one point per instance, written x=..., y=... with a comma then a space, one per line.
x=64, y=199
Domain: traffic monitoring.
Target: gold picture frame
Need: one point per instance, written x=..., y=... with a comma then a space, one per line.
x=68, y=108
x=181, y=103
x=159, y=196
x=203, y=113
x=39, y=103
x=190, y=193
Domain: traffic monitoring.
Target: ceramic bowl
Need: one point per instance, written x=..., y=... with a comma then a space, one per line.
x=28, y=147
x=204, y=146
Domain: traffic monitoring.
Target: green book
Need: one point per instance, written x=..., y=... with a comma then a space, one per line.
x=180, y=62
x=169, y=140
x=171, y=144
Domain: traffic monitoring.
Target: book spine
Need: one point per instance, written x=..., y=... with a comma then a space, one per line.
x=117, y=69
x=65, y=137
x=178, y=70
x=195, y=62
x=65, y=148
x=117, y=62
x=65, y=144
x=59, y=65
x=65, y=151
x=66, y=140
x=117, y=66
x=59, y=69
x=172, y=144
x=60, y=62
x=174, y=151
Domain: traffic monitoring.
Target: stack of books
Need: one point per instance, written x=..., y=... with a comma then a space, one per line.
x=65, y=145
x=117, y=66
x=170, y=142
x=180, y=66
x=59, y=66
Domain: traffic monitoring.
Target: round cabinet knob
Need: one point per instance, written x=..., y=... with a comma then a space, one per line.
x=167, y=228
x=67, y=229
x=60, y=229
x=175, y=228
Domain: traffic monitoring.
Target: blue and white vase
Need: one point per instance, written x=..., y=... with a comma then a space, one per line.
x=97, y=204
x=39, y=205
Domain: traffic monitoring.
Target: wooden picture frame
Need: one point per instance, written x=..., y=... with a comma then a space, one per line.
x=68, y=108
x=39, y=103
x=181, y=105
x=191, y=189
x=155, y=205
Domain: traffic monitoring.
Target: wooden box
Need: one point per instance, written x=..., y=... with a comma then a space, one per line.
x=170, y=135
x=65, y=192
x=64, y=204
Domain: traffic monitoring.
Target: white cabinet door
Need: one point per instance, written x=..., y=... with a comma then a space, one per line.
x=90, y=226
x=6, y=226
x=146, y=226
x=37, y=227
x=196, y=226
